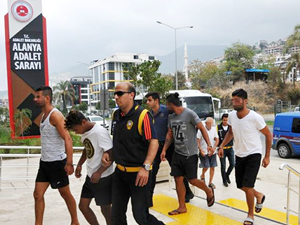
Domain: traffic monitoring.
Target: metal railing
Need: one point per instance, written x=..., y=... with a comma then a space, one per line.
x=289, y=190
x=27, y=165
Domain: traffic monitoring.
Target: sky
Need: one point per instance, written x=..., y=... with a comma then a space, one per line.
x=80, y=31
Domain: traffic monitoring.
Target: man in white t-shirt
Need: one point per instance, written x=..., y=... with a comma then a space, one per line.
x=98, y=183
x=246, y=126
x=208, y=160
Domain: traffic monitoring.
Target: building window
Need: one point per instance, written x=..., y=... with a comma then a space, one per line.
x=135, y=57
x=151, y=58
x=111, y=85
x=111, y=66
x=111, y=75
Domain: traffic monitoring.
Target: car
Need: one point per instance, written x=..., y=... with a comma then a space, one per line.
x=286, y=134
x=98, y=120
x=297, y=109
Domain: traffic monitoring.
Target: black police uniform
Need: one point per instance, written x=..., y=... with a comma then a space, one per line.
x=130, y=149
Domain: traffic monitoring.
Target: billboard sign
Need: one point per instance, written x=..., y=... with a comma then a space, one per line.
x=27, y=64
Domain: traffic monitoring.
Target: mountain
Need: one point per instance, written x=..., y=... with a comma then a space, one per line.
x=201, y=52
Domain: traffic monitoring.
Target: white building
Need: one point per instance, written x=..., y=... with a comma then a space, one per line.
x=81, y=85
x=108, y=72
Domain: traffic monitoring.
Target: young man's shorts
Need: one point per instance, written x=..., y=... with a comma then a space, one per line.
x=53, y=173
x=101, y=191
x=184, y=166
x=246, y=170
x=208, y=161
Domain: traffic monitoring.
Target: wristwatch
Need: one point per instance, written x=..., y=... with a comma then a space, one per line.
x=147, y=167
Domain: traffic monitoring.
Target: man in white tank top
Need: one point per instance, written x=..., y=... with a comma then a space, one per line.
x=57, y=157
x=246, y=126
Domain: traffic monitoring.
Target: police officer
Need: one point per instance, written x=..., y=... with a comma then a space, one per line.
x=228, y=151
x=135, y=145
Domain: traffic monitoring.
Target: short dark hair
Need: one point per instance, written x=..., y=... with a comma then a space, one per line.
x=225, y=115
x=154, y=95
x=73, y=118
x=174, y=99
x=240, y=93
x=46, y=90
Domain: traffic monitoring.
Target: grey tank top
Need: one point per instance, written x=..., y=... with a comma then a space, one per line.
x=53, y=146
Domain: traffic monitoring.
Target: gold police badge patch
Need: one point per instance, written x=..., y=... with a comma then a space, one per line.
x=129, y=124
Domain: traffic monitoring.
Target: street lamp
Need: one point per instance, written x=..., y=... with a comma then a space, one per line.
x=175, y=29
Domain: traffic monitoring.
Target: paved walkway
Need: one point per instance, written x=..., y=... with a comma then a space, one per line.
x=17, y=205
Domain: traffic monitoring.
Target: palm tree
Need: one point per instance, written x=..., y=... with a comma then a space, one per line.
x=66, y=92
x=293, y=39
x=22, y=119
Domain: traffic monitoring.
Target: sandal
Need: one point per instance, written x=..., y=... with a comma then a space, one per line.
x=248, y=221
x=259, y=206
x=212, y=186
x=211, y=201
x=175, y=212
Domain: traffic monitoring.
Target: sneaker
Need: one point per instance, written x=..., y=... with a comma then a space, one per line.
x=225, y=184
x=228, y=179
x=188, y=197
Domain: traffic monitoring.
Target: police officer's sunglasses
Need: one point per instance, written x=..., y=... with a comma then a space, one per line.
x=121, y=93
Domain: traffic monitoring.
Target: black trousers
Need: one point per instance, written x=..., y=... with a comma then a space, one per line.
x=123, y=189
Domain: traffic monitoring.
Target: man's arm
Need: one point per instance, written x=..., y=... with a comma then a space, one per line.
x=80, y=163
x=226, y=140
x=168, y=141
x=265, y=131
x=58, y=121
x=97, y=174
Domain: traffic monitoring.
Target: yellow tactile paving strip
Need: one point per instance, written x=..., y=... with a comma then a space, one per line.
x=266, y=212
x=194, y=216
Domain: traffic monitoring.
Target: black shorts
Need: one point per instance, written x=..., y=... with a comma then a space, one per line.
x=184, y=166
x=53, y=173
x=101, y=191
x=246, y=170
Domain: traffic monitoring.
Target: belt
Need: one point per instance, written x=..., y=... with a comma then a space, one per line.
x=228, y=147
x=130, y=169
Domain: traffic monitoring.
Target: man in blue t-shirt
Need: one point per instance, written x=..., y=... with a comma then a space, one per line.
x=161, y=114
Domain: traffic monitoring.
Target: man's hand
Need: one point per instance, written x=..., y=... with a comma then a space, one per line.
x=265, y=162
x=69, y=169
x=202, y=152
x=106, y=160
x=78, y=171
x=142, y=178
x=163, y=156
x=96, y=177
x=221, y=152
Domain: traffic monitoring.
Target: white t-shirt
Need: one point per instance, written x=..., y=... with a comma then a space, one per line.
x=246, y=132
x=96, y=141
x=212, y=134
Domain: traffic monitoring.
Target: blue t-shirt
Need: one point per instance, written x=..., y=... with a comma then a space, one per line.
x=161, y=122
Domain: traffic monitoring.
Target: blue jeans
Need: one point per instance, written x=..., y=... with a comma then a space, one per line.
x=123, y=189
x=229, y=153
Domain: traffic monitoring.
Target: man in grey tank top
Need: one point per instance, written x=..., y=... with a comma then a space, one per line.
x=57, y=157
x=182, y=127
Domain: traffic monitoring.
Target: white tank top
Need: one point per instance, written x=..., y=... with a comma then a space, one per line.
x=53, y=146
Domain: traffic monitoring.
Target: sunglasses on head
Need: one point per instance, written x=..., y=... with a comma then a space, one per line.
x=121, y=93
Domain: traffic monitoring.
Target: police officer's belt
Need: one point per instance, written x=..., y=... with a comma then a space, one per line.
x=227, y=147
x=130, y=169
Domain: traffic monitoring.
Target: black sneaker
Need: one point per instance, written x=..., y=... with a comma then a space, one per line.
x=228, y=179
x=188, y=197
x=225, y=184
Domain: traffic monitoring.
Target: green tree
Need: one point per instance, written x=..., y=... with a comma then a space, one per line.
x=83, y=106
x=145, y=76
x=238, y=57
x=4, y=115
x=22, y=120
x=65, y=91
x=294, y=39
x=294, y=62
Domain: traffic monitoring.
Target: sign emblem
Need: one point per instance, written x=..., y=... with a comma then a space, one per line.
x=22, y=11
x=129, y=124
